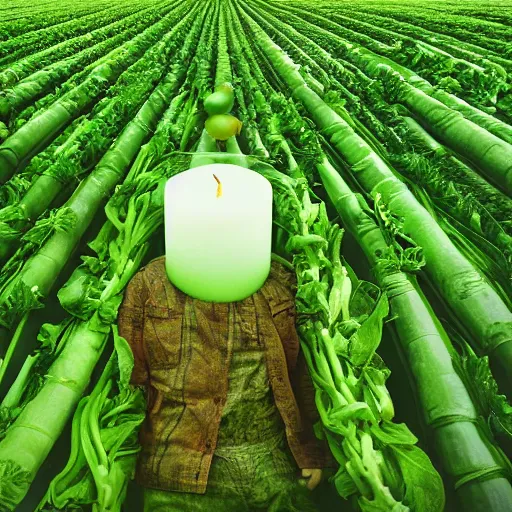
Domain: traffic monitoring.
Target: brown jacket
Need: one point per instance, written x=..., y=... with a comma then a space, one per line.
x=182, y=350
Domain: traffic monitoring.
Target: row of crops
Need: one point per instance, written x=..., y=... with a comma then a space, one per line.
x=385, y=129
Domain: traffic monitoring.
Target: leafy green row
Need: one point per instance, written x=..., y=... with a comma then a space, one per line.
x=490, y=154
x=12, y=49
x=40, y=130
x=457, y=47
x=91, y=139
x=465, y=28
x=70, y=47
x=478, y=81
x=19, y=18
x=20, y=273
x=26, y=91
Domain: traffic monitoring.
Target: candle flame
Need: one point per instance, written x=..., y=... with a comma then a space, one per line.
x=219, y=186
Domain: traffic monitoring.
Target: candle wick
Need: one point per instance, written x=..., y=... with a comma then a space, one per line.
x=219, y=186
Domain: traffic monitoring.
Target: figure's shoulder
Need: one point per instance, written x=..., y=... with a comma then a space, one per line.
x=283, y=273
x=152, y=271
x=282, y=277
x=157, y=262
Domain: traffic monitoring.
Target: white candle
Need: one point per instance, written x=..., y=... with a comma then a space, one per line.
x=218, y=238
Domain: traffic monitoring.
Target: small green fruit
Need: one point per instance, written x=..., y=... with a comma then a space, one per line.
x=223, y=126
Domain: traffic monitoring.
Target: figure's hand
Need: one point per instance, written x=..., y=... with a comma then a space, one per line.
x=315, y=475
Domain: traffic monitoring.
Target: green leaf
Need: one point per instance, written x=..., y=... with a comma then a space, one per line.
x=49, y=333
x=108, y=309
x=364, y=297
x=125, y=359
x=318, y=430
x=14, y=482
x=423, y=486
x=94, y=265
x=21, y=299
x=393, y=433
x=344, y=483
x=157, y=196
x=351, y=412
x=335, y=447
x=366, y=339
x=7, y=233
x=340, y=344
x=80, y=295
x=491, y=405
x=299, y=242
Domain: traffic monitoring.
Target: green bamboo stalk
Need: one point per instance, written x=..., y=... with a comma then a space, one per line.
x=479, y=472
x=471, y=297
x=44, y=267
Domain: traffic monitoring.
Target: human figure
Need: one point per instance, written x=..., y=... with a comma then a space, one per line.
x=230, y=401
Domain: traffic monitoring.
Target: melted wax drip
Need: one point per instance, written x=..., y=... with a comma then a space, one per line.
x=219, y=186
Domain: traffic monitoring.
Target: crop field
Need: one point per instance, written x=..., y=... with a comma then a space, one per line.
x=385, y=130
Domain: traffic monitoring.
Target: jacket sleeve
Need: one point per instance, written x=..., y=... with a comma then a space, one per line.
x=131, y=322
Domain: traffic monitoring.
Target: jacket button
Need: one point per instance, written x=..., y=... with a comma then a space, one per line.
x=217, y=399
x=208, y=446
